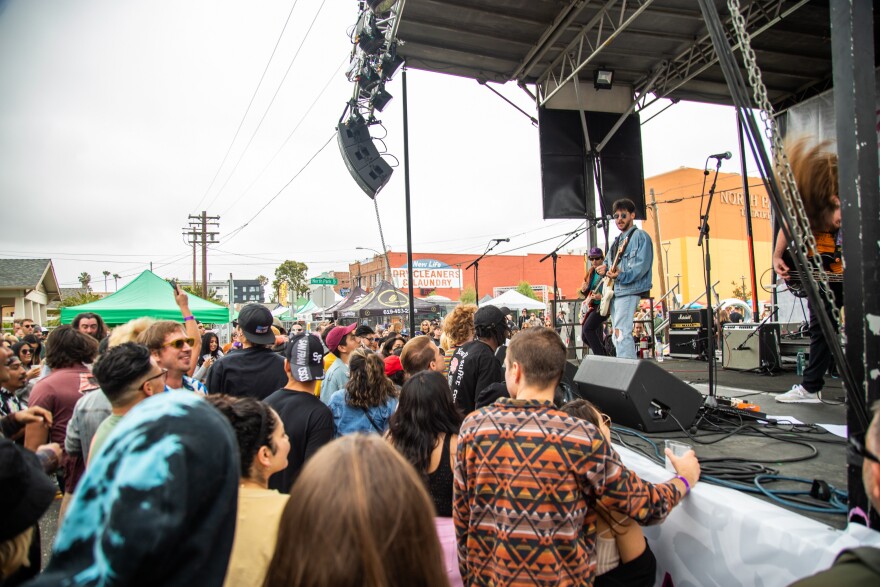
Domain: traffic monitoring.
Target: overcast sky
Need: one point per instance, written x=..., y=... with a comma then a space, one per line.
x=116, y=116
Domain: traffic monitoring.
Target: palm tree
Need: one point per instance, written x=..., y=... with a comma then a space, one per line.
x=106, y=275
x=85, y=279
x=116, y=282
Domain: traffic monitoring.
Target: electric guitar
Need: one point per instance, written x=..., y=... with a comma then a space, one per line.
x=795, y=281
x=608, y=282
x=591, y=307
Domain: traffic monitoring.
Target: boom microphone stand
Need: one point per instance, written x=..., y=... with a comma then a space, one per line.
x=711, y=402
x=554, y=255
x=476, y=264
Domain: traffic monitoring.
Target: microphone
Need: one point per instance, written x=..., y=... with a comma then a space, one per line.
x=501, y=240
x=724, y=155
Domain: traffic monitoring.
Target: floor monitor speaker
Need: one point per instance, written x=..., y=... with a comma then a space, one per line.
x=638, y=394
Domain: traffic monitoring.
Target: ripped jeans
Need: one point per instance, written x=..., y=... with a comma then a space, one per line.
x=623, y=310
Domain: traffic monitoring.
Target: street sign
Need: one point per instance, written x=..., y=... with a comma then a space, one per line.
x=323, y=281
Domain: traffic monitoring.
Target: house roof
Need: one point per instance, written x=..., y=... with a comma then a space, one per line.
x=29, y=274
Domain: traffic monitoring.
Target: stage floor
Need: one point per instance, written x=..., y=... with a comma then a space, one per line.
x=830, y=463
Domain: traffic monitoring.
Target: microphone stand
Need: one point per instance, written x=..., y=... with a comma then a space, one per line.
x=711, y=401
x=554, y=255
x=476, y=265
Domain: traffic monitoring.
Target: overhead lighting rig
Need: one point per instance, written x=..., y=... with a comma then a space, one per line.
x=374, y=61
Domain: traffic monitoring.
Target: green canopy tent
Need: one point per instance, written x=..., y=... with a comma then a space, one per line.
x=148, y=295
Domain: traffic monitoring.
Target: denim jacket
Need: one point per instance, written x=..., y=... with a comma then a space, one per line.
x=349, y=419
x=635, y=265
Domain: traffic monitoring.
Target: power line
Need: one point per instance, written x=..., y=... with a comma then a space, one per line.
x=284, y=144
x=248, y=109
x=272, y=199
x=269, y=107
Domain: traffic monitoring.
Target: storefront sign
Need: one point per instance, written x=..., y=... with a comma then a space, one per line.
x=428, y=274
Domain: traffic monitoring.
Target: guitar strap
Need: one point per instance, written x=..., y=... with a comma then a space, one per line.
x=612, y=254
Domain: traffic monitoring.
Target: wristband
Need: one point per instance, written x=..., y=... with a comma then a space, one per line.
x=188, y=318
x=686, y=484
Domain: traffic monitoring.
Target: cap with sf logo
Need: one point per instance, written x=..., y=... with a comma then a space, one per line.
x=306, y=356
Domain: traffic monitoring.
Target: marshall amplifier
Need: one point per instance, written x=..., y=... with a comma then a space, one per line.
x=695, y=319
x=687, y=344
x=745, y=349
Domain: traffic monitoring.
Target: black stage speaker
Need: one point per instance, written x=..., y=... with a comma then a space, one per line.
x=743, y=350
x=638, y=394
x=567, y=174
x=362, y=159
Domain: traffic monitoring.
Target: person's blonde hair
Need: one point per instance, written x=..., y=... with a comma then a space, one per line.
x=130, y=331
x=814, y=169
x=367, y=385
x=14, y=553
x=368, y=519
x=459, y=325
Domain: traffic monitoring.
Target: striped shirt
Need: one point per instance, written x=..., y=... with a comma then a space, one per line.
x=525, y=477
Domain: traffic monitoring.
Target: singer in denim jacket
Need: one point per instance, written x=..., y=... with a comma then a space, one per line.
x=634, y=278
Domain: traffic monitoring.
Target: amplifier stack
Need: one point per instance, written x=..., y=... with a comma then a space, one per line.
x=688, y=331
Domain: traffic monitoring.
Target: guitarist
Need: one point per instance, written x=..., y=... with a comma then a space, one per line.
x=632, y=276
x=815, y=173
x=591, y=328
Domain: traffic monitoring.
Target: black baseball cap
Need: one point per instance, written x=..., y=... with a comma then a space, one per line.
x=489, y=316
x=306, y=356
x=24, y=489
x=255, y=321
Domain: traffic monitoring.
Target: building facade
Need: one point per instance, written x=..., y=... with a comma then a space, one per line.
x=677, y=220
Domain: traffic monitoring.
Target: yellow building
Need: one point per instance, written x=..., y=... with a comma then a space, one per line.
x=678, y=207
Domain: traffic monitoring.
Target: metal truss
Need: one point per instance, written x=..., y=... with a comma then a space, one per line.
x=610, y=20
x=672, y=75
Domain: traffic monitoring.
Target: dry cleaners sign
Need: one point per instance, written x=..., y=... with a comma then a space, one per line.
x=428, y=274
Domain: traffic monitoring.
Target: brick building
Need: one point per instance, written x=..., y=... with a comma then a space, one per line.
x=443, y=274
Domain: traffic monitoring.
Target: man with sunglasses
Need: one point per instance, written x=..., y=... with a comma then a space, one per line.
x=174, y=349
x=858, y=566
x=128, y=374
x=592, y=321
x=632, y=275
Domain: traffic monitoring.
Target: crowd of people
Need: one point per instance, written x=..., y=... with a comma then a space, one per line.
x=350, y=455
x=178, y=461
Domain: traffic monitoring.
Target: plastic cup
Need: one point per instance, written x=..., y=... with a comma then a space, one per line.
x=679, y=449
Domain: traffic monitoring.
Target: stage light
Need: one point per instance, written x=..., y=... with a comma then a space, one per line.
x=603, y=78
x=390, y=63
x=368, y=36
x=380, y=98
x=381, y=6
x=367, y=77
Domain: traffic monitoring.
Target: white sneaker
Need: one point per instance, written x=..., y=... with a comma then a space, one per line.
x=798, y=395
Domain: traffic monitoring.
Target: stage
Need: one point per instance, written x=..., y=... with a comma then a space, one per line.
x=829, y=465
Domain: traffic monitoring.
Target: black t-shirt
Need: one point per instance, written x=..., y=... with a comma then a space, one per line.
x=472, y=369
x=308, y=423
x=254, y=372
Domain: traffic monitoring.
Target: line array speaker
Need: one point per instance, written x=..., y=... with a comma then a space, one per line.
x=362, y=159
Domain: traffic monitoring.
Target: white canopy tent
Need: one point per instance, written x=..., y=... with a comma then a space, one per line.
x=516, y=301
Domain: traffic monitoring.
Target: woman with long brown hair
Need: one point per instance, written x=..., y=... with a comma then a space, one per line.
x=358, y=515
x=368, y=399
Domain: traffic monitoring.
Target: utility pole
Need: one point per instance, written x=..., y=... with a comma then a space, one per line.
x=197, y=231
x=660, y=269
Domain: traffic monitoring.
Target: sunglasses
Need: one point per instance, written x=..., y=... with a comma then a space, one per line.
x=855, y=449
x=595, y=258
x=26, y=351
x=296, y=330
x=27, y=325
x=179, y=342
x=163, y=375
x=620, y=215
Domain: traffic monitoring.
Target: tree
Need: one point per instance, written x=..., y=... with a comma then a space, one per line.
x=77, y=299
x=116, y=277
x=293, y=273
x=468, y=296
x=85, y=279
x=197, y=291
x=106, y=275
x=741, y=292
x=526, y=289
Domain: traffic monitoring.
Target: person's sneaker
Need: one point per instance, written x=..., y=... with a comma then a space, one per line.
x=798, y=395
